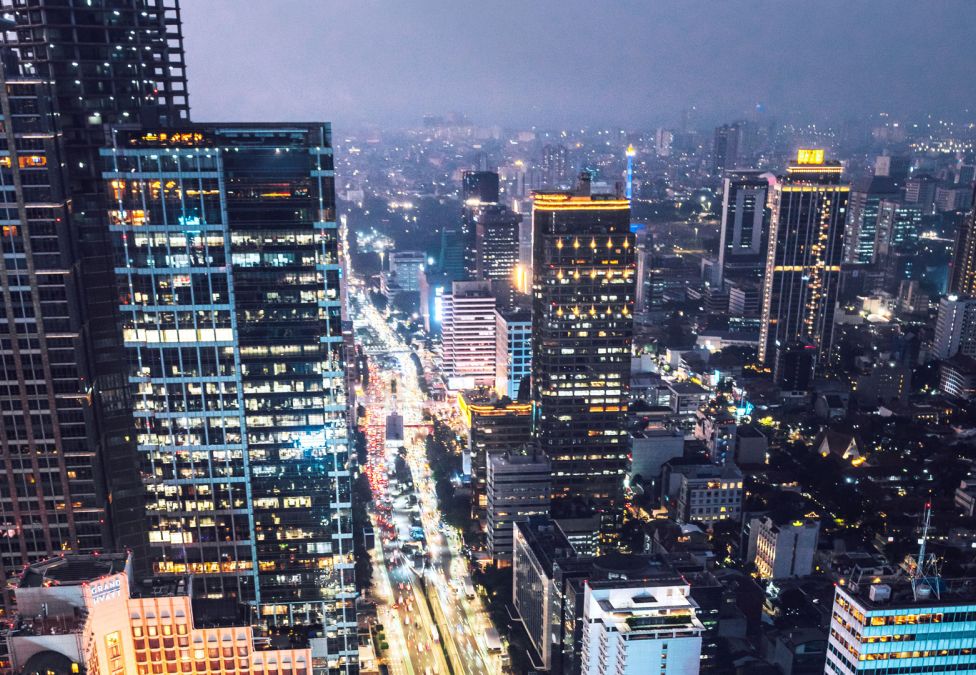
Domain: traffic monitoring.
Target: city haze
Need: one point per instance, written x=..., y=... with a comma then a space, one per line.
x=578, y=63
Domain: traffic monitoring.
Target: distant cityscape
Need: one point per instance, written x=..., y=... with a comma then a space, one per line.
x=459, y=398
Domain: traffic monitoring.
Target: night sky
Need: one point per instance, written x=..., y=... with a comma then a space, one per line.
x=571, y=62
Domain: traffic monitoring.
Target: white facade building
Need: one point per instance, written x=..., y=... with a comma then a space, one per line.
x=783, y=550
x=640, y=627
x=468, y=335
x=955, y=329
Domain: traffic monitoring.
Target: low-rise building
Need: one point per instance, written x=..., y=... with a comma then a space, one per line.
x=652, y=447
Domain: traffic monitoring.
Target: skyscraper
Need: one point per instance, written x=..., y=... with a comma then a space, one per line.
x=230, y=292
x=468, y=345
x=803, y=261
x=555, y=164
x=725, y=148
x=478, y=190
x=861, y=233
x=962, y=273
x=955, y=328
x=745, y=225
x=582, y=331
x=497, y=248
x=70, y=69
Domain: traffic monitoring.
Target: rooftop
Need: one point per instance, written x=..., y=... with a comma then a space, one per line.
x=72, y=570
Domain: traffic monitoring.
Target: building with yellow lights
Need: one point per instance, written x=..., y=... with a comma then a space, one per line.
x=805, y=250
x=584, y=286
x=83, y=614
x=782, y=550
x=494, y=426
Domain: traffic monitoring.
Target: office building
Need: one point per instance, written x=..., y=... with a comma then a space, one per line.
x=957, y=377
x=782, y=550
x=955, y=328
x=494, y=427
x=230, y=291
x=468, y=335
x=920, y=189
x=861, y=231
x=86, y=613
x=479, y=189
x=743, y=238
x=513, y=351
x=640, y=626
x=953, y=198
x=896, y=168
x=651, y=448
x=582, y=332
x=403, y=276
x=726, y=147
x=962, y=269
x=555, y=166
x=497, y=237
x=889, y=628
x=63, y=386
x=803, y=264
x=702, y=493
x=572, y=606
x=899, y=225
x=518, y=488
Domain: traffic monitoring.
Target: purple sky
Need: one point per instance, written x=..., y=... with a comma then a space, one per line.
x=568, y=62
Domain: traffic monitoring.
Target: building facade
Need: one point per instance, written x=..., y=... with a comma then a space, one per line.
x=802, y=275
x=230, y=286
x=70, y=68
x=955, y=328
x=639, y=627
x=863, y=215
x=582, y=331
x=513, y=351
x=743, y=238
x=889, y=629
x=962, y=271
x=782, y=550
x=468, y=335
x=518, y=489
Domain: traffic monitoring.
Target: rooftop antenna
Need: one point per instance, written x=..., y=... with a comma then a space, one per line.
x=924, y=574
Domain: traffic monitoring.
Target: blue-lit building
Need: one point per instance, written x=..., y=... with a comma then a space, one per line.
x=888, y=628
x=513, y=354
x=227, y=258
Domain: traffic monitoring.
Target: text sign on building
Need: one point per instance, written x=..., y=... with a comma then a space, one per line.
x=809, y=156
x=106, y=590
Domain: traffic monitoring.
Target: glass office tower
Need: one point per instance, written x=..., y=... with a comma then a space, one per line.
x=229, y=273
x=806, y=239
x=82, y=65
x=582, y=332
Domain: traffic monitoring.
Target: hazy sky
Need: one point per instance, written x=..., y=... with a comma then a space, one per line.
x=575, y=62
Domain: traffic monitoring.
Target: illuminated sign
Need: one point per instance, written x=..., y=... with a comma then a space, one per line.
x=106, y=590
x=809, y=156
x=171, y=138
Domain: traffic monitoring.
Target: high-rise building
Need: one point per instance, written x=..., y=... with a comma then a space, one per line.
x=230, y=291
x=497, y=248
x=479, y=189
x=861, y=233
x=518, y=487
x=781, y=550
x=70, y=69
x=806, y=240
x=513, y=351
x=582, y=332
x=494, y=426
x=899, y=225
x=726, y=147
x=468, y=335
x=745, y=225
x=893, y=628
x=920, y=189
x=962, y=272
x=555, y=166
x=955, y=328
x=640, y=626
x=404, y=273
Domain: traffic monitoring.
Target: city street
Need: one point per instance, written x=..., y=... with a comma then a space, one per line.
x=434, y=621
